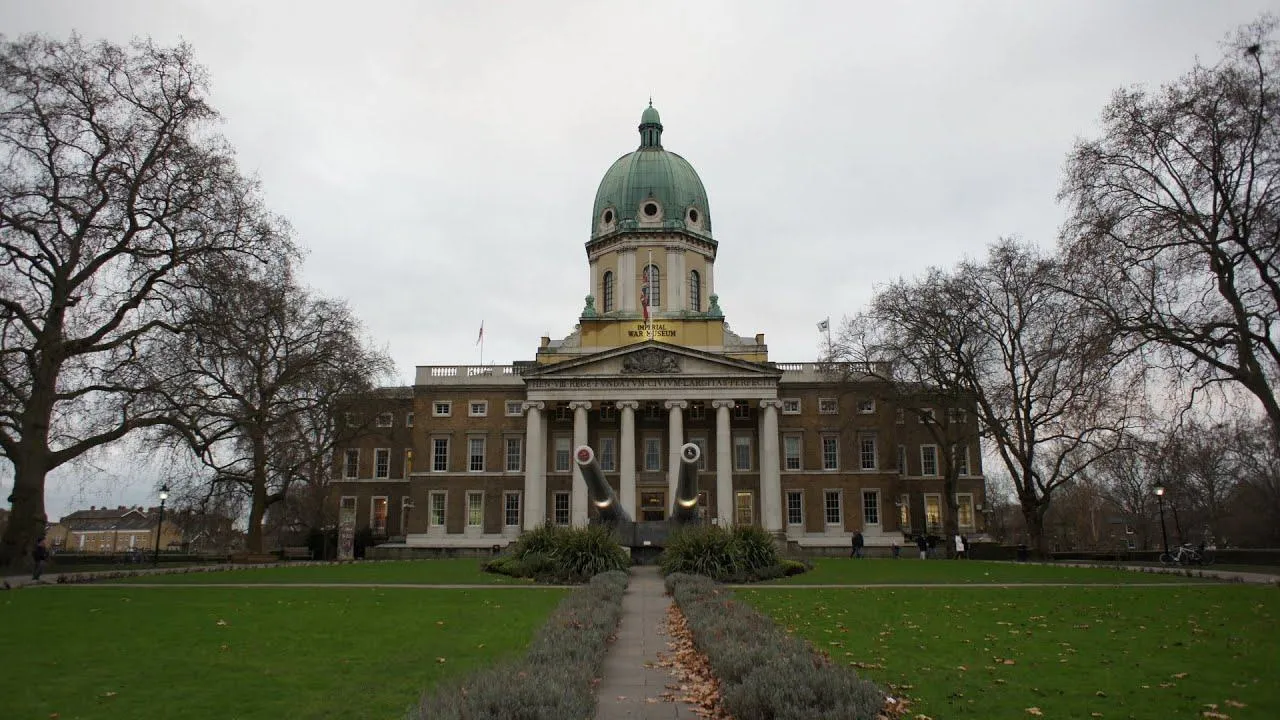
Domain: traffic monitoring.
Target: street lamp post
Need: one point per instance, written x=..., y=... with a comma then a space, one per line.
x=164, y=495
x=1164, y=535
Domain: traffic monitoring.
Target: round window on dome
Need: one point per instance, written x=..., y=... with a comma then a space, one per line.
x=608, y=216
x=650, y=209
x=693, y=215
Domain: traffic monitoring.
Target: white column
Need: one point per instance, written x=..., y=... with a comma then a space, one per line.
x=626, y=289
x=724, y=462
x=535, y=467
x=593, y=288
x=675, y=281
x=675, y=438
x=578, y=500
x=627, y=457
x=709, y=283
x=770, y=474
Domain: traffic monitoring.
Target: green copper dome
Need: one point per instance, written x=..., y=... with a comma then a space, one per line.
x=651, y=189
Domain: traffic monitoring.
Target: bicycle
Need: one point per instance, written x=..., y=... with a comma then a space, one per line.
x=1186, y=555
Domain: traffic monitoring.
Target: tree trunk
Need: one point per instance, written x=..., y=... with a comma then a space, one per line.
x=1034, y=518
x=258, y=505
x=27, y=522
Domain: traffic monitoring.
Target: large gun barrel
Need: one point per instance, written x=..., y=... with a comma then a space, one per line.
x=685, y=508
x=602, y=496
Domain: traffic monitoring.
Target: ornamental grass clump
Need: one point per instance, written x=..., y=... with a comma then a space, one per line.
x=555, y=678
x=560, y=554
x=765, y=673
x=740, y=554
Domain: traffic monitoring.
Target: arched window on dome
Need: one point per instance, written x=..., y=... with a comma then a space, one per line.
x=606, y=291
x=651, y=286
x=695, y=291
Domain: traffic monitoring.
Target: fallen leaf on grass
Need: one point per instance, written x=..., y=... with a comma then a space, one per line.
x=1179, y=676
x=1034, y=711
x=440, y=660
x=1215, y=715
x=1008, y=662
x=221, y=622
x=1235, y=704
x=109, y=694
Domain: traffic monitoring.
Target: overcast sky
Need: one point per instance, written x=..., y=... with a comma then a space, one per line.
x=439, y=160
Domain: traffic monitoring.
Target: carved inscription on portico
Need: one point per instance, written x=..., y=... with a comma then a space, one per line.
x=650, y=360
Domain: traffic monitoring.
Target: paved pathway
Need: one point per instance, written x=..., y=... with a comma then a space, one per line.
x=633, y=684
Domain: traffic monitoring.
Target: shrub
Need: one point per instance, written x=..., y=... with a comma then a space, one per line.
x=559, y=554
x=766, y=673
x=555, y=679
x=741, y=554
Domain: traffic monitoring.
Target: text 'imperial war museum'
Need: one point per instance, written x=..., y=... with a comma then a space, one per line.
x=471, y=456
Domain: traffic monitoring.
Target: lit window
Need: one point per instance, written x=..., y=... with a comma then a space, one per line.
x=904, y=512
x=439, y=454
x=741, y=452
x=511, y=509
x=561, y=508
x=514, y=408
x=830, y=452
x=652, y=454
x=437, y=505
x=831, y=514
x=382, y=463
x=964, y=510
x=791, y=452
x=475, y=509
x=408, y=462
x=870, y=507
x=478, y=408
x=378, y=516
x=933, y=513
x=562, y=454
x=867, y=452
x=795, y=507
x=828, y=406
x=744, y=508
x=608, y=454
x=442, y=408
x=791, y=406
x=351, y=468
x=606, y=291
x=384, y=420
x=515, y=448
x=929, y=460
x=695, y=291
x=866, y=406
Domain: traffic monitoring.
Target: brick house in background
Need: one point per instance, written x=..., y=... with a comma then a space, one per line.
x=113, y=530
x=471, y=456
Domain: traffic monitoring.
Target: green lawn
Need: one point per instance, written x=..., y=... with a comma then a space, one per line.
x=1146, y=652
x=843, y=571
x=109, y=652
x=451, y=571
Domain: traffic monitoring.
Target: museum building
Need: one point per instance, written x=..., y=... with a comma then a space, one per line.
x=470, y=456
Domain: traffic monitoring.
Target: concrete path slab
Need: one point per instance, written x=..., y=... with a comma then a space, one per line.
x=633, y=685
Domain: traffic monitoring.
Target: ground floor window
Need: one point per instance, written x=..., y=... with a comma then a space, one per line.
x=378, y=515
x=831, y=507
x=744, y=506
x=870, y=507
x=933, y=513
x=475, y=509
x=964, y=510
x=560, y=508
x=795, y=507
x=436, y=506
x=511, y=509
x=904, y=512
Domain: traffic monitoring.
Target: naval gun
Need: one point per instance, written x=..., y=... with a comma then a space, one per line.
x=598, y=489
x=684, y=507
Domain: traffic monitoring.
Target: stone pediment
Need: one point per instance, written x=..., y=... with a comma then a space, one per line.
x=653, y=360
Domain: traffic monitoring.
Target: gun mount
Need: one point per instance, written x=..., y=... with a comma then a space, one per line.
x=598, y=489
x=684, y=508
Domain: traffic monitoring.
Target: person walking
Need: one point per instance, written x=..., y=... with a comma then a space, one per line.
x=923, y=545
x=959, y=546
x=858, y=543
x=39, y=554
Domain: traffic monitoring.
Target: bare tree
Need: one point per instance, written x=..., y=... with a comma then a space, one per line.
x=1175, y=219
x=113, y=190
x=1257, y=454
x=1037, y=373
x=255, y=381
